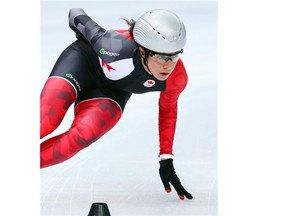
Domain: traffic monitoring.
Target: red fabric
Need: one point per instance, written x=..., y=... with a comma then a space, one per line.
x=55, y=99
x=93, y=118
x=124, y=32
x=175, y=84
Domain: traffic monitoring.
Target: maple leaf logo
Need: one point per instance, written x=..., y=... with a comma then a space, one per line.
x=109, y=68
x=149, y=83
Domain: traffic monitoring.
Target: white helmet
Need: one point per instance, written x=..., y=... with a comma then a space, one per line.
x=160, y=31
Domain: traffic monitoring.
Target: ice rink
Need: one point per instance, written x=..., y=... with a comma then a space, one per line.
x=121, y=169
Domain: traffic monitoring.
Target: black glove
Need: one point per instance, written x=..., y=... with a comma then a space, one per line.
x=78, y=34
x=168, y=175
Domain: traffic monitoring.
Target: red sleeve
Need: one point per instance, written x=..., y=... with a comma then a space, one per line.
x=175, y=84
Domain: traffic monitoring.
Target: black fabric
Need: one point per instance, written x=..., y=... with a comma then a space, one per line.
x=76, y=65
x=169, y=176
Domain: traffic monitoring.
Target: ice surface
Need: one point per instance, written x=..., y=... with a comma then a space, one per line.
x=121, y=168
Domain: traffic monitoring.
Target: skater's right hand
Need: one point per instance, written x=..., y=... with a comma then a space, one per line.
x=168, y=175
x=78, y=34
x=74, y=12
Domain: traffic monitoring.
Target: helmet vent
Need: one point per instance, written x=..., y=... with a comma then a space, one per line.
x=158, y=33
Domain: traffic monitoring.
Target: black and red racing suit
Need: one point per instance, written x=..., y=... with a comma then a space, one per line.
x=98, y=74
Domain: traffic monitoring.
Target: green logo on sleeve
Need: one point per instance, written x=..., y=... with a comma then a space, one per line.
x=102, y=51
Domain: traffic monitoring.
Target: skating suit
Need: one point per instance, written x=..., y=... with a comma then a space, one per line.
x=98, y=73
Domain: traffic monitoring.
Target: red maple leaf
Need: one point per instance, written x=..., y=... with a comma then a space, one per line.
x=150, y=82
x=107, y=66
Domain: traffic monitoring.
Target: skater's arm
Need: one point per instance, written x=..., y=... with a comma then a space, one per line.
x=110, y=45
x=168, y=102
x=79, y=21
x=168, y=109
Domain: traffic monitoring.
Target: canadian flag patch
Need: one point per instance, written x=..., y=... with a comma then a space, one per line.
x=149, y=83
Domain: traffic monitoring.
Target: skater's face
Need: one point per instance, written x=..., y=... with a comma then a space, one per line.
x=160, y=65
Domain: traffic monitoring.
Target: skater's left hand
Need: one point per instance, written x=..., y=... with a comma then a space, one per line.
x=168, y=175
